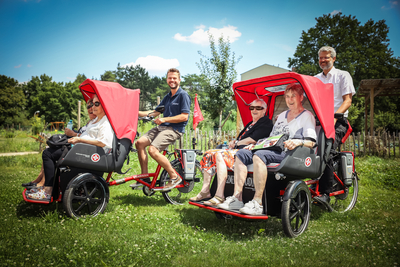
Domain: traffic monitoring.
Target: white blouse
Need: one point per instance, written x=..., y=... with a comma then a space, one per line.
x=100, y=131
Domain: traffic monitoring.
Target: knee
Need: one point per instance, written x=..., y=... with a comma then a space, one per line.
x=140, y=143
x=153, y=151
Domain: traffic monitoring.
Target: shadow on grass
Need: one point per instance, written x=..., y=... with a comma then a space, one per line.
x=139, y=200
x=33, y=210
x=235, y=228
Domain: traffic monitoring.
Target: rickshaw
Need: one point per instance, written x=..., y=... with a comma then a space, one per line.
x=79, y=182
x=292, y=184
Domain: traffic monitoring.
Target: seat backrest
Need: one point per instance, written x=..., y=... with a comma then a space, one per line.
x=92, y=157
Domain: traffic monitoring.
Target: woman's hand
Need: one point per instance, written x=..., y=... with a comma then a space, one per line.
x=232, y=144
x=293, y=143
x=74, y=140
x=69, y=132
x=249, y=147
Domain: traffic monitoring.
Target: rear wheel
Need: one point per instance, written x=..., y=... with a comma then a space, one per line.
x=347, y=201
x=296, y=209
x=86, y=194
x=178, y=196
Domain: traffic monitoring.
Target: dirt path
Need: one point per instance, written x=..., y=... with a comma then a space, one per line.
x=17, y=153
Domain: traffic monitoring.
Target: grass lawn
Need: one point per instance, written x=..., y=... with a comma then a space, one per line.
x=136, y=230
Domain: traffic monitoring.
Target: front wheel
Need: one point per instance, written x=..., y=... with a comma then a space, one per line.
x=86, y=194
x=347, y=201
x=296, y=209
x=179, y=196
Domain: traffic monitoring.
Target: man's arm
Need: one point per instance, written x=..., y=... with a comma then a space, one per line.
x=346, y=104
x=145, y=113
x=175, y=119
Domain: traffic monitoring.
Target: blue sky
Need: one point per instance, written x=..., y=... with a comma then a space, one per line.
x=62, y=38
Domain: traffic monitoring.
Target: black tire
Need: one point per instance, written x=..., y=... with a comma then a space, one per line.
x=86, y=194
x=347, y=201
x=222, y=216
x=179, y=196
x=296, y=209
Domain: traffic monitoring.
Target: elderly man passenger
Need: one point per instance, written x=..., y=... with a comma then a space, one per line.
x=299, y=124
x=219, y=160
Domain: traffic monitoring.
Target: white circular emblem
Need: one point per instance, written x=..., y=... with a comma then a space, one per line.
x=95, y=157
x=308, y=162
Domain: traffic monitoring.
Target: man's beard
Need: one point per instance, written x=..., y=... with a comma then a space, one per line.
x=327, y=66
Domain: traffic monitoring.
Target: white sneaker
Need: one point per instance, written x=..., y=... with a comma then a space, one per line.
x=252, y=208
x=231, y=203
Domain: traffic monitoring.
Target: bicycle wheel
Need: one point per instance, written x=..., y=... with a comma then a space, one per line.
x=347, y=201
x=178, y=196
x=296, y=209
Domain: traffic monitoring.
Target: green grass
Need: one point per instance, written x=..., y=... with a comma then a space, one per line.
x=137, y=230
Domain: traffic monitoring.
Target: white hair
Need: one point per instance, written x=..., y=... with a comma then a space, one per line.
x=328, y=49
x=263, y=104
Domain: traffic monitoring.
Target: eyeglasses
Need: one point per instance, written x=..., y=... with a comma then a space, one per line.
x=326, y=58
x=89, y=105
x=97, y=103
x=256, y=107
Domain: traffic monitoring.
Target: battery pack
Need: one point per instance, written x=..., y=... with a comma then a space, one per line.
x=189, y=161
x=346, y=164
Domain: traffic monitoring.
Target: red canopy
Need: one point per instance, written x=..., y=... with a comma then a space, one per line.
x=120, y=104
x=320, y=96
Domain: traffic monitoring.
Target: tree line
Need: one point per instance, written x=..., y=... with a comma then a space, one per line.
x=362, y=50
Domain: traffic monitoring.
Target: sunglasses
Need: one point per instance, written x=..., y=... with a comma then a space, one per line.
x=256, y=107
x=97, y=103
x=89, y=105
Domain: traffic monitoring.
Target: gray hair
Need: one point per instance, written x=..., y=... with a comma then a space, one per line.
x=328, y=49
x=263, y=104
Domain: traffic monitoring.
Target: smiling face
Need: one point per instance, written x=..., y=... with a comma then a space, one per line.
x=97, y=111
x=293, y=100
x=257, y=114
x=173, y=80
x=326, y=60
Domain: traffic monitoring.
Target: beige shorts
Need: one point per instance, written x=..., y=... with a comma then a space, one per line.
x=162, y=136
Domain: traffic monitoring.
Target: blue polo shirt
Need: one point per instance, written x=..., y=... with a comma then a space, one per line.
x=175, y=105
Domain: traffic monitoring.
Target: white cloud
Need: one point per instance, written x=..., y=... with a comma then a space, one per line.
x=17, y=67
x=154, y=65
x=334, y=12
x=200, y=36
x=393, y=4
x=249, y=41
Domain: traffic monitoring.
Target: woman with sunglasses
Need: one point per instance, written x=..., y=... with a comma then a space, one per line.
x=98, y=133
x=299, y=124
x=217, y=161
x=38, y=183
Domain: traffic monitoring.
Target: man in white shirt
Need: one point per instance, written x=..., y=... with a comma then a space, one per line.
x=343, y=91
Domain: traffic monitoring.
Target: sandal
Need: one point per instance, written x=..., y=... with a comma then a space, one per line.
x=29, y=184
x=214, y=201
x=39, y=195
x=201, y=197
x=35, y=189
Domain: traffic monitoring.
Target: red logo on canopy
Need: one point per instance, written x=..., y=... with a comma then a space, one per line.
x=308, y=162
x=95, y=157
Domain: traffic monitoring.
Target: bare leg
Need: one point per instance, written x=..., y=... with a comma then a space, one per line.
x=222, y=174
x=240, y=176
x=205, y=190
x=141, y=145
x=163, y=161
x=260, y=178
x=40, y=179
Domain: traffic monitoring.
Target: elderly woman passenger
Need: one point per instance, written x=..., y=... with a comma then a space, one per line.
x=299, y=123
x=219, y=160
x=98, y=133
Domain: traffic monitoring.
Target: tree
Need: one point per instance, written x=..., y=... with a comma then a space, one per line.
x=136, y=78
x=108, y=76
x=12, y=101
x=220, y=73
x=362, y=50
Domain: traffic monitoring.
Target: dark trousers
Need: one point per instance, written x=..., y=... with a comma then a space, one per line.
x=327, y=179
x=50, y=157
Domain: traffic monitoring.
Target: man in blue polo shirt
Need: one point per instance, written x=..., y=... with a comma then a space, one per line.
x=170, y=128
